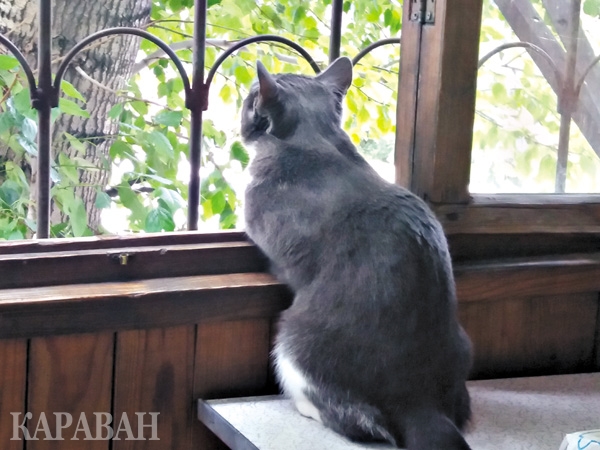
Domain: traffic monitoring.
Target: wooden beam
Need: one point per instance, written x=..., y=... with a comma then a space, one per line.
x=132, y=240
x=141, y=304
x=408, y=89
x=518, y=214
x=446, y=103
x=168, y=302
x=527, y=277
x=128, y=263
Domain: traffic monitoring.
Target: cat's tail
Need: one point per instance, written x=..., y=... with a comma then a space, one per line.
x=431, y=430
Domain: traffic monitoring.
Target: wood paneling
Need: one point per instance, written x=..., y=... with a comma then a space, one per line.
x=13, y=364
x=109, y=242
x=71, y=374
x=466, y=247
x=528, y=336
x=154, y=373
x=597, y=340
x=232, y=358
x=522, y=214
x=138, y=304
x=127, y=263
x=523, y=277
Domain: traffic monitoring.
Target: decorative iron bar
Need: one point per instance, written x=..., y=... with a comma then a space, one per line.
x=45, y=93
x=569, y=86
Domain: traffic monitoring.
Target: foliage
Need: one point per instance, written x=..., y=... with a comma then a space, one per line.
x=149, y=157
x=517, y=124
x=515, y=133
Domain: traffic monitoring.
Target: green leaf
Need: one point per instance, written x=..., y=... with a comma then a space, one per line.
x=8, y=62
x=171, y=199
x=78, y=218
x=218, y=202
x=67, y=106
x=75, y=143
x=243, y=75
x=239, y=153
x=120, y=149
x=68, y=168
x=22, y=102
x=225, y=93
x=10, y=193
x=162, y=145
x=159, y=219
x=140, y=107
x=207, y=212
x=592, y=7
x=547, y=168
x=70, y=90
x=116, y=111
x=499, y=92
x=130, y=200
x=227, y=219
x=103, y=200
x=169, y=118
x=7, y=121
x=161, y=180
x=15, y=235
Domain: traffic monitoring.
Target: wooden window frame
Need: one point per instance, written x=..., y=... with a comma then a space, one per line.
x=434, y=142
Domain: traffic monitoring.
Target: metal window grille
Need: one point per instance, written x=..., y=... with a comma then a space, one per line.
x=45, y=91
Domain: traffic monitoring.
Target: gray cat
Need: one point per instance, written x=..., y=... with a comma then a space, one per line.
x=371, y=346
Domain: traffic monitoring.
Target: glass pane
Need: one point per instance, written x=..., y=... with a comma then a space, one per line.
x=537, y=123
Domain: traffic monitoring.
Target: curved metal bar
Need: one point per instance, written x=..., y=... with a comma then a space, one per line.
x=587, y=70
x=24, y=64
x=373, y=46
x=121, y=30
x=528, y=45
x=252, y=40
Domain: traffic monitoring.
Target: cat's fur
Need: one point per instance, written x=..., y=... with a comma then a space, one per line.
x=371, y=346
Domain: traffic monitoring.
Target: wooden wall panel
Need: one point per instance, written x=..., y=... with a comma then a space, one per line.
x=13, y=366
x=70, y=374
x=232, y=358
x=528, y=336
x=154, y=373
x=597, y=340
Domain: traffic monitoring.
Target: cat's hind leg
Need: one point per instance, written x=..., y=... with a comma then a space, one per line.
x=356, y=420
x=296, y=385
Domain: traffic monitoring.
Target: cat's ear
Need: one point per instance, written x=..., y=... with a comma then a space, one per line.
x=338, y=74
x=267, y=85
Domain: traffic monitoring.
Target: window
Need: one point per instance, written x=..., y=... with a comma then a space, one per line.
x=139, y=168
x=435, y=152
x=537, y=112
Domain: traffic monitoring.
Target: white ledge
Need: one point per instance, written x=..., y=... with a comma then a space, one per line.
x=513, y=414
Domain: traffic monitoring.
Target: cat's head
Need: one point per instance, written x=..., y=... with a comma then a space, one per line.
x=279, y=104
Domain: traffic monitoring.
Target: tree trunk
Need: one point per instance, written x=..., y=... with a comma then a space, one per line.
x=109, y=64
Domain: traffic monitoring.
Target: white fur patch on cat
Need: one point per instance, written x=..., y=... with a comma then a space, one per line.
x=295, y=384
